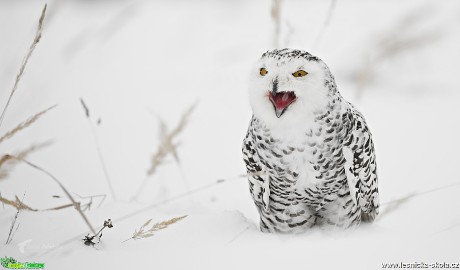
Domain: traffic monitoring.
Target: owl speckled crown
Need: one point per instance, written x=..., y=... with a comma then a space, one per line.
x=289, y=54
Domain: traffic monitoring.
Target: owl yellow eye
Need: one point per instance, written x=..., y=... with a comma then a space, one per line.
x=263, y=72
x=299, y=73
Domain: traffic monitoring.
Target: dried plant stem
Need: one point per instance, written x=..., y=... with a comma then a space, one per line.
x=7, y=163
x=167, y=146
x=239, y=234
x=392, y=205
x=326, y=22
x=25, y=124
x=276, y=16
x=401, y=38
x=2, y=201
x=74, y=203
x=91, y=198
x=101, y=159
x=98, y=149
x=11, y=232
x=143, y=232
x=38, y=35
x=180, y=196
x=19, y=205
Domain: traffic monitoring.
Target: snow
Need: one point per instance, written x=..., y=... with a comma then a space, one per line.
x=138, y=62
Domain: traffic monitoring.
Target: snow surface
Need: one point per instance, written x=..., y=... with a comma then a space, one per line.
x=136, y=62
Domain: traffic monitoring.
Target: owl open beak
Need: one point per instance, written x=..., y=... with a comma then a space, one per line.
x=281, y=101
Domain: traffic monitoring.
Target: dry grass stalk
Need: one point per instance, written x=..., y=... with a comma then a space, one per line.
x=391, y=206
x=144, y=232
x=167, y=146
x=7, y=162
x=276, y=17
x=400, y=39
x=67, y=193
x=17, y=203
x=326, y=22
x=185, y=194
x=154, y=205
x=13, y=231
x=37, y=38
x=98, y=148
x=90, y=203
x=24, y=124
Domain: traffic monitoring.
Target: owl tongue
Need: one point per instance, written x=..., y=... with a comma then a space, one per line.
x=281, y=100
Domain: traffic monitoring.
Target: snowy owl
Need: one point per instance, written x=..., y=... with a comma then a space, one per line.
x=308, y=152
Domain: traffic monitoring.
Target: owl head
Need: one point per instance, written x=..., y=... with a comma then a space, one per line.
x=288, y=86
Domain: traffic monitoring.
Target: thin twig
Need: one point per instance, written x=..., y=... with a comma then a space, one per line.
x=98, y=149
x=10, y=238
x=19, y=205
x=420, y=193
x=102, y=161
x=93, y=196
x=38, y=35
x=394, y=204
x=180, y=196
x=85, y=108
x=11, y=233
x=239, y=234
x=447, y=229
x=75, y=203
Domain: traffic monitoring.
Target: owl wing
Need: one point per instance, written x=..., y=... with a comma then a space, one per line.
x=259, y=185
x=361, y=168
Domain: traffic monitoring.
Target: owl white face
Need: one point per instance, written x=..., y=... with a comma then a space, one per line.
x=286, y=90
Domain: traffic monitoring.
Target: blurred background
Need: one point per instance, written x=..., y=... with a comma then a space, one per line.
x=140, y=65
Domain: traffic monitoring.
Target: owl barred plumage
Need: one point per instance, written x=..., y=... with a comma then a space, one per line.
x=308, y=152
